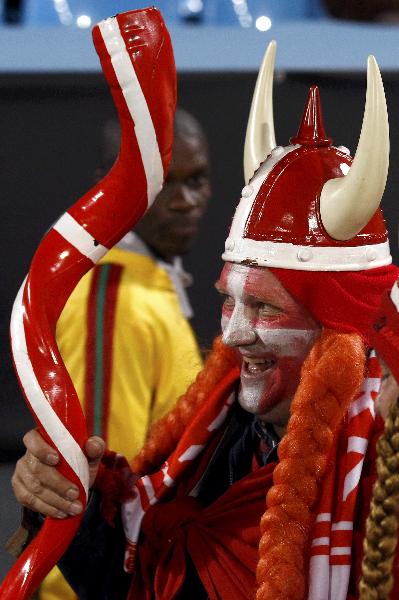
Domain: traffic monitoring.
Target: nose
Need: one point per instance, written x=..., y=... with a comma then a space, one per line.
x=238, y=329
x=182, y=198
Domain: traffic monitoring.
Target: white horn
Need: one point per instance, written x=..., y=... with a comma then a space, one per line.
x=260, y=140
x=348, y=203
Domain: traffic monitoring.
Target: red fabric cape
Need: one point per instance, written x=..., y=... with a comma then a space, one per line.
x=221, y=539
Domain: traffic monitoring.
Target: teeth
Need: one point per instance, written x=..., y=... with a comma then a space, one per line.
x=254, y=361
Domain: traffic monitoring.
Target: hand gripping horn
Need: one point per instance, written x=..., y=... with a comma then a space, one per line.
x=137, y=60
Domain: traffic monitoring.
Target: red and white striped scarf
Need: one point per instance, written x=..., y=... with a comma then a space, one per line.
x=331, y=546
x=330, y=561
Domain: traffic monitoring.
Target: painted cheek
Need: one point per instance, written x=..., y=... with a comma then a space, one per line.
x=225, y=320
x=286, y=342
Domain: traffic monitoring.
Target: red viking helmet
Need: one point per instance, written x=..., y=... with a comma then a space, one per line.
x=309, y=205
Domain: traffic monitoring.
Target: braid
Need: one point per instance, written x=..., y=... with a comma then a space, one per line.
x=382, y=523
x=331, y=377
x=166, y=432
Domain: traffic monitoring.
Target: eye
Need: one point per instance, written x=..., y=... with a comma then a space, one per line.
x=196, y=180
x=228, y=302
x=267, y=311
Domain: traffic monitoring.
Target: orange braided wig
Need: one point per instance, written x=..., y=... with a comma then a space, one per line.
x=331, y=377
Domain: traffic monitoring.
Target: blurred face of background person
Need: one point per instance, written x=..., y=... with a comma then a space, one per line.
x=169, y=227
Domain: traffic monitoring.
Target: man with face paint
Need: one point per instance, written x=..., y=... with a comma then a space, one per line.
x=273, y=334
x=284, y=408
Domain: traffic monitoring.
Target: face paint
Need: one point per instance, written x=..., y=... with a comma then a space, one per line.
x=272, y=332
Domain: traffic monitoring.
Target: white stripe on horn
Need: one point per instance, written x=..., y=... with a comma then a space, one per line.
x=137, y=105
x=63, y=440
x=79, y=238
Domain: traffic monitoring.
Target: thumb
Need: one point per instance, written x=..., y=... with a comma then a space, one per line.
x=95, y=447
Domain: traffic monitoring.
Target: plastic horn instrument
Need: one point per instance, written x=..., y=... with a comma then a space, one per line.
x=137, y=60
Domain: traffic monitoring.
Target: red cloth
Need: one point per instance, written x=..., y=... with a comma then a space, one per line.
x=115, y=481
x=221, y=539
x=345, y=301
x=385, y=333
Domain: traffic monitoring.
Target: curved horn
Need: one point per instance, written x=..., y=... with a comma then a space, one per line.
x=348, y=203
x=143, y=86
x=260, y=139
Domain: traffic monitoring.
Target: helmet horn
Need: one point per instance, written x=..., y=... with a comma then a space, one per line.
x=260, y=139
x=348, y=203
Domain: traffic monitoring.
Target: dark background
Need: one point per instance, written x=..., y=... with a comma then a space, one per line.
x=49, y=136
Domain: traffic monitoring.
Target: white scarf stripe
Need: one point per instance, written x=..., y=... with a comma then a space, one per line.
x=341, y=551
x=363, y=403
x=328, y=580
x=167, y=479
x=321, y=541
x=319, y=577
x=191, y=452
x=321, y=517
x=339, y=582
x=132, y=515
x=357, y=444
x=137, y=105
x=63, y=440
x=149, y=488
x=352, y=480
x=342, y=526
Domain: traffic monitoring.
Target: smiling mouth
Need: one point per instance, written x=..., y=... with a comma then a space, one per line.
x=256, y=366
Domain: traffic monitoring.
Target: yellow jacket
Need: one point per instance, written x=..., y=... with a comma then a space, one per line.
x=130, y=352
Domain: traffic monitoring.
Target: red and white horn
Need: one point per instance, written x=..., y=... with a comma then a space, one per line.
x=137, y=61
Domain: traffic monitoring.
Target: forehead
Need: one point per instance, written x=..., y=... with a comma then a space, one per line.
x=189, y=149
x=242, y=280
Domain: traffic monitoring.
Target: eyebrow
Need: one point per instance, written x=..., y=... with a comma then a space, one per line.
x=222, y=290
x=264, y=301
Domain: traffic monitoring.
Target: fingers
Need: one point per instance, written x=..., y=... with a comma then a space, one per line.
x=43, y=489
x=39, y=448
x=40, y=487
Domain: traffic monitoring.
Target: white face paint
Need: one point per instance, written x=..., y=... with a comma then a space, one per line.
x=273, y=334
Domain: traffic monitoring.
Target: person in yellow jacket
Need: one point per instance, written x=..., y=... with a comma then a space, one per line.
x=124, y=333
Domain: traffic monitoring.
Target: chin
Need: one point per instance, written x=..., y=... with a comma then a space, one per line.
x=253, y=401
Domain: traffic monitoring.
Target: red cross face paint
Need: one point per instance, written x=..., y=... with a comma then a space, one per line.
x=272, y=332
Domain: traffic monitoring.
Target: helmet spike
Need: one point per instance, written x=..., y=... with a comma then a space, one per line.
x=348, y=203
x=260, y=139
x=311, y=131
